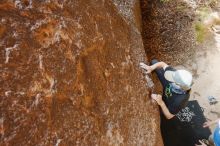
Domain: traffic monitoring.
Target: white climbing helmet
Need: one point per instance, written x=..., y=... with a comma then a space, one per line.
x=182, y=78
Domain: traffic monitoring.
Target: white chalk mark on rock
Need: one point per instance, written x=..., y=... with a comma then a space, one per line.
x=37, y=98
x=52, y=85
x=112, y=64
x=79, y=44
x=18, y=4
x=20, y=93
x=30, y=4
x=8, y=51
x=7, y=93
x=58, y=142
x=38, y=24
x=40, y=61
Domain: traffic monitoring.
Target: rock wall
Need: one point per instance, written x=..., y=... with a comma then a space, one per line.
x=168, y=30
x=70, y=76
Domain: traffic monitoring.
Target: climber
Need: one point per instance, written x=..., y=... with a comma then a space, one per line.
x=176, y=86
x=214, y=139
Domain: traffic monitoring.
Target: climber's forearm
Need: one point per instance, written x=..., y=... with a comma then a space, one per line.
x=166, y=111
x=159, y=65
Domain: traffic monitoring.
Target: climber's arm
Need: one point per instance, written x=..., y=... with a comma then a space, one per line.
x=160, y=102
x=151, y=68
x=207, y=124
x=166, y=111
x=159, y=65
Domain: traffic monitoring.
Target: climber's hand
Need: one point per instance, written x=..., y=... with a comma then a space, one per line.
x=146, y=67
x=201, y=143
x=157, y=98
x=206, y=124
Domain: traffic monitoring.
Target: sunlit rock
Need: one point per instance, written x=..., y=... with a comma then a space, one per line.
x=70, y=76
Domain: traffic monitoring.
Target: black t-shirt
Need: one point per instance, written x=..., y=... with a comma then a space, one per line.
x=177, y=133
x=174, y=101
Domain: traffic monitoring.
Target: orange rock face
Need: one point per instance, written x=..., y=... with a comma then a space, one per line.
x=70, y=76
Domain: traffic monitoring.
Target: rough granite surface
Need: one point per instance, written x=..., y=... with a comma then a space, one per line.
x=69, y=75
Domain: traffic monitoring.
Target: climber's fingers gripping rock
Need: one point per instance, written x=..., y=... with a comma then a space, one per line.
x=147, y=68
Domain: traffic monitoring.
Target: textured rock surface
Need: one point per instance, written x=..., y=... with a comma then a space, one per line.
x=69, y=75
x=168, y=30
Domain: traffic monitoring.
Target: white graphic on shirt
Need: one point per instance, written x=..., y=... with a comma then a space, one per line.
x=185, y=115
